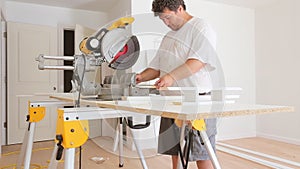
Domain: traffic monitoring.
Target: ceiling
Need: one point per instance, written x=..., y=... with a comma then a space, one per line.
x=106, y=5
x=91, y=5
x=247, y=3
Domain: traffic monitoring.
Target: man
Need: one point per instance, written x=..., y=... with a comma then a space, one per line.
x=185, y=58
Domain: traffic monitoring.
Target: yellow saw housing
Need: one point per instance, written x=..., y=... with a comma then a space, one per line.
x=120, y=23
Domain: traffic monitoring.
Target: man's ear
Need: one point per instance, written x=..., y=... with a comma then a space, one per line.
x=180, y=9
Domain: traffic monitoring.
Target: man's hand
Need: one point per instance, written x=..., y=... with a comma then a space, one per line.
x=148, y=74
x=138, y=78
x=165, y=81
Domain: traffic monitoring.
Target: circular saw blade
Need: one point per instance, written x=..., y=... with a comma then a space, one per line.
x=119, y=49
x=128, y=59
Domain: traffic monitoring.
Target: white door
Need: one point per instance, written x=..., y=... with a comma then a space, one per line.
x=24, y=43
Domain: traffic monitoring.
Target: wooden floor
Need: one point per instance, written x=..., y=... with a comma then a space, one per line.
x=43, y=150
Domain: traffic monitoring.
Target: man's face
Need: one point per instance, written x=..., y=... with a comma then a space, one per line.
x=172, y=19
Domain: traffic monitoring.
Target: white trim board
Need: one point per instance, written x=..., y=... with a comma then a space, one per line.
x=279, y=138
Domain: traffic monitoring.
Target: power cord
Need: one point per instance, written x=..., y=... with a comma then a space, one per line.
x=36, y=166
x=77, y=104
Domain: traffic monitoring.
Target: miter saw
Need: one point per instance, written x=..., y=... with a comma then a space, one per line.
x=114, y=45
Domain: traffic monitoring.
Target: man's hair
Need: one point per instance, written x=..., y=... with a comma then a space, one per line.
x=159, y=5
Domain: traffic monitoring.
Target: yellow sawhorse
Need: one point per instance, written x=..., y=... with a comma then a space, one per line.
x=73, y=131
x=36, y=113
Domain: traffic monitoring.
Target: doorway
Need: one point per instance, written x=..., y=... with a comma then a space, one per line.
x=68, y=50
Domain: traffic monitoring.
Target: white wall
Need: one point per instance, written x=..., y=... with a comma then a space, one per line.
x=3, y=9
x=277, y=63
x=236, y=49
x=52, y=16
x=120, y=9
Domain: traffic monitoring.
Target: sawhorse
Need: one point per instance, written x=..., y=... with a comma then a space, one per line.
x=73, y=130
x=78, y=127
x=36, y=113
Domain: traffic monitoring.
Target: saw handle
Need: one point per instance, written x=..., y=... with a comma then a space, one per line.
x=122, y=22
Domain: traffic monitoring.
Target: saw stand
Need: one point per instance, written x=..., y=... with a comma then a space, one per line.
x=36, y=113
x=73, y=131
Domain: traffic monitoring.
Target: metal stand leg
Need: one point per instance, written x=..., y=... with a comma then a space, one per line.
x=121, y=163
x=69, y=158
x=22, y=153
x=53, y=161
x=210, y=150
x=26, y=150
x=140, y=153
x=119, y=139
x=116, y=138
x=182, y=142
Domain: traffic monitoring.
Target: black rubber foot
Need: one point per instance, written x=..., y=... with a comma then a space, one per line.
x=121, y=165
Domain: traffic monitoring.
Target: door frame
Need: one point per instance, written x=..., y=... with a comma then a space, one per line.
x=3, y=89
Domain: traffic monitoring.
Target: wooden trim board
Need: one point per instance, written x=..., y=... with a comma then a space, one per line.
x=178, y=110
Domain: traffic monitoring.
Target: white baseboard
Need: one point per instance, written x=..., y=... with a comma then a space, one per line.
x=279, y=138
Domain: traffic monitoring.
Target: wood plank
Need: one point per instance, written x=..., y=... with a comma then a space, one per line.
x=178, y=110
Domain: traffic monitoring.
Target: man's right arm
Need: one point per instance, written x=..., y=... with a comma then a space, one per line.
x=146, y=75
